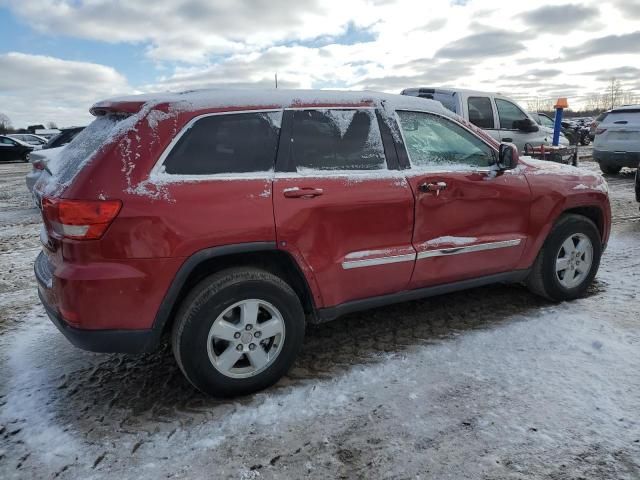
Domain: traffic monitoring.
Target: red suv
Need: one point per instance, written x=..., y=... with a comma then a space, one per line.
x=230, y=219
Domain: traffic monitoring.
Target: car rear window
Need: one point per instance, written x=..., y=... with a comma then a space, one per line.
x=622, y=117
x=336, y=139
x=228, y=143
x=82, y=148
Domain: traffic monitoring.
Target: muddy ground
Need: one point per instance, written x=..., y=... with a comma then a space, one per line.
x=491, y=383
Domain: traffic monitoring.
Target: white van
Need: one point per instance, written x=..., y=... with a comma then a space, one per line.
x=617, y=140
x=500, y=116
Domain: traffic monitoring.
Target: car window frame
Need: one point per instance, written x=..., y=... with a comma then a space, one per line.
x=286, y=165
x=498, y=113
x=158, y=174
x=409, y=166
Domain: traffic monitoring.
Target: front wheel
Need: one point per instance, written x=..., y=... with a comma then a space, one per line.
x=238, y=331
x=568, y=260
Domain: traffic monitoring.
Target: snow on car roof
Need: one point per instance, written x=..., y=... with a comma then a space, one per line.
x=276, y=98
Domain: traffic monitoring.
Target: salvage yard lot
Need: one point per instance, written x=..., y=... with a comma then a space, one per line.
x=489, y=383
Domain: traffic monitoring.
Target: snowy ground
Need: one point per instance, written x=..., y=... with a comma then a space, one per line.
x=491, y=383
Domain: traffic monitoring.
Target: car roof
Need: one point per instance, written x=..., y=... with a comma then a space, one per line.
x=466, y=91
x=256, y=99
x=625, y=108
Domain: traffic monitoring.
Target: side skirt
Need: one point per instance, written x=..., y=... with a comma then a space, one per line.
x=330, y=313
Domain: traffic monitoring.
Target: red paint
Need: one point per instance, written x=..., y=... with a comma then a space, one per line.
x=119, y=280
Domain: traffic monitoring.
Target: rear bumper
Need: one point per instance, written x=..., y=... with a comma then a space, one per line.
x=103, y=341
x=77, y=295
x=618, y=159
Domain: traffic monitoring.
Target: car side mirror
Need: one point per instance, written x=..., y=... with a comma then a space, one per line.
x=526, y=125
x=507, y=156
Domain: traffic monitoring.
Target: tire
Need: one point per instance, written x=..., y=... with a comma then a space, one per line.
x=610, y=169
x=585, y=140
x=545, y=280
x=199, y=351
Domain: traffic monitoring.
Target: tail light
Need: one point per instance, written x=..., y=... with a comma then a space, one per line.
x=600, y=131
x=38, y=165
x=79, y=219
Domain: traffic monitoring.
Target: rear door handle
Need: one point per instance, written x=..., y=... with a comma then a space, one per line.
x=296, y=192
x=432, y=187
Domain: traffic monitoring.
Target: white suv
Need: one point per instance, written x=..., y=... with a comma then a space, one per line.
x=617, y=140
x=500, y=116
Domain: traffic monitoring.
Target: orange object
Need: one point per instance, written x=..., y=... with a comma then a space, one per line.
x=561, y=103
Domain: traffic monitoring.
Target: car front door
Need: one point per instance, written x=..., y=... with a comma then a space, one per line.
x=470, y=219
x=342, y=208
x=509, y=115
x=9, y=149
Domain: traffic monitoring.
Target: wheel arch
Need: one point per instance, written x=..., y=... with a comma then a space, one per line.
x=595, y=213
x=264, y=255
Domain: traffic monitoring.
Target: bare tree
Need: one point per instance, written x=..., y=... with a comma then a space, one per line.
x=5, y=123
x=614, y=92
x=538, y=104
x=52, y=125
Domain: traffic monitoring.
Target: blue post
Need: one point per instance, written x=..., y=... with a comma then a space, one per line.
x=560, y=105
x=557, y=126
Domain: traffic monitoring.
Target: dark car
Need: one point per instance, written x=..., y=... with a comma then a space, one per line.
x=64, y=137
x=12, y=149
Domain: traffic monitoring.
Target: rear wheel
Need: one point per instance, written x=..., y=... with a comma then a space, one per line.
x=238, y=331
x=610, y=169
x=568, y=261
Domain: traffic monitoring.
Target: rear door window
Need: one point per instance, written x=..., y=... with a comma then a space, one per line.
x=337, y=139
x=436, y=143
x=227, y=143
x=510, y=114
x=481, y=112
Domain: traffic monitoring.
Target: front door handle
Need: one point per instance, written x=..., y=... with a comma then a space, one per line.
x=296, y=192
x=432, y=187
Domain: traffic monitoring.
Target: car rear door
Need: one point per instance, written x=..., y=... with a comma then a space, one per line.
x=481, y=112
x=342, y=208
x=470, y=220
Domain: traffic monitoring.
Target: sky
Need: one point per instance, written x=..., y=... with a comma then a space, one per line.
x=59, y=57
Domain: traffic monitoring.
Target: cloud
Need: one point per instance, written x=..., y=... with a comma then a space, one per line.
x=430, y=73
x=609, y=45
x=560, y=18
x=193, y=30
x=620, y=73
x=432, y=25
x=491, y=43
x=536, y=74
x=38, y=89
x=630, y=8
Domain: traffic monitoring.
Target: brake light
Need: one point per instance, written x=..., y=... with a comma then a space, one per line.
x=38, y=165
x=79, y=219
x=600, y=131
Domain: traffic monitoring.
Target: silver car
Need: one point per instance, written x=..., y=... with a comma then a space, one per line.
x=500, y=116
x=617, y=140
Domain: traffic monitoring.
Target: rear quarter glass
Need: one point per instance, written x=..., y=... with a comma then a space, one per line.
x=84, y=146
